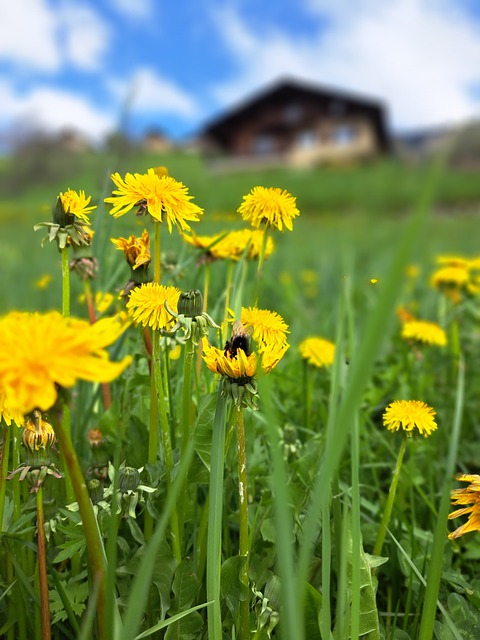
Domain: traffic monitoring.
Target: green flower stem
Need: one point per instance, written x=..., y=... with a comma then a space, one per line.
x=201, y=546
x=307, y=394
x=377, y=551
x=214, y=535
x=65, y=283
x=167, y=445
x=244, y=610
x=156, y=253
x=42, y=569
x=106, y=394
x=18, y=600
x=152, y=432
x=4, y=471
x=206, y=285
x=95, y=551
x=186, y=392
x=261, y=260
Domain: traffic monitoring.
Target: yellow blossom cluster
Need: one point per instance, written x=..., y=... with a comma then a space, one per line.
x=136, y=249
x=231, y=246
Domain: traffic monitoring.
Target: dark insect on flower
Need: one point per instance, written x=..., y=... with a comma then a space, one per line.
x=240, y=340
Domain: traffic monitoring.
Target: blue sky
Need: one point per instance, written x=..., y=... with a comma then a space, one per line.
x=178, y=63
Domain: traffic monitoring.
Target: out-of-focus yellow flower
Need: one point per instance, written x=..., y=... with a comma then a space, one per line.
x=157, y=195
x=467, y=496
x=424, y=332
x=10, y=416
x=175, y=353
x=77, y=204
x=404, y=315
x=285, y=278
x=317, y=351
x=373, y=281
x=309, y=276
x=146, y=304
x=43, y=281
x=409, y=415
x=231, y=246
x=136, y=249
x=40, y=351
x=269, y=206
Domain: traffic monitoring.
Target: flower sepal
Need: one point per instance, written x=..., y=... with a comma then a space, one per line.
x=242, y=393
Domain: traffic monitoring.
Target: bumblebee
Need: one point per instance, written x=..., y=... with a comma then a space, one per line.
x=240, y=340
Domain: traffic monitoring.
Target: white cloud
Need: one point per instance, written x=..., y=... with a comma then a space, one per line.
x=150, y=93
x=421, y=57
x=136, y=9
x=52, y=110
x=37, y=36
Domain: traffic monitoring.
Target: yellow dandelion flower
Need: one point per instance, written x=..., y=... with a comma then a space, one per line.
x=409, y=415
x=238, y=367
x=136, y=249
x=154, y=194
x=456, y=276
x=146, y=305
x=272, y=355
x=254, y=240
x=309, y=276
x=40, y=351
x=453, y=261
x=424, y=332
x=10, y=416
x=317, y=351
x=373, y=281
x=77, y=204
x=467, y=496
x=270, y=206
x=43, y=281
x=267, y=327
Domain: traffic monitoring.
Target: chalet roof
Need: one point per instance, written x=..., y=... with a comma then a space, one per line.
x=288, y=89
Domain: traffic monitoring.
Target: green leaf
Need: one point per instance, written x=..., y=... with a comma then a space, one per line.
x=185, y=586
x=204, y=428
x=312, y=606
x=232, y=589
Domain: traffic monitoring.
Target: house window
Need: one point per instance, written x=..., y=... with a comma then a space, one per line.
x=344, y=135
x=306, y=139
x=292, y=113
x=264, y=144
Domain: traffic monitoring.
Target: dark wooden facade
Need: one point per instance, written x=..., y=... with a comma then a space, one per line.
x=299, y=124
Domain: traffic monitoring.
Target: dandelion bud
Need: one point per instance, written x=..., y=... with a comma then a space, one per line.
x=38, y=438
x=190, y=303
x=95, y=438
x=128, y=479
x=60, y=216
x=95, y=489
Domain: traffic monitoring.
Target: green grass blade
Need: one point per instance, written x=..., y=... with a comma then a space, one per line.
x=166, y=623
x=141, y=584
x=440, y=536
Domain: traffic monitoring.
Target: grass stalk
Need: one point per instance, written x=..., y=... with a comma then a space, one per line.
x=439, y=539
x=42, y=568
x=65, y=283
x=5, y=450
x=261, y=260
x=166, y=439
x=387, y=512
x=215, y=510
x=244, y=609
x=95, y=551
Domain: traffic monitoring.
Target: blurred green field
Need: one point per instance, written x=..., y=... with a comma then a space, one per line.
x=349, y=214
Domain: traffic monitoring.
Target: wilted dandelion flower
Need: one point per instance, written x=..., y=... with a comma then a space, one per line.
x=146, y=305
x=270, y=206
x=424, y=332
x=135, y=249
x=77, y=204
x=40, y=351
x=155, y=194
x=467, y=496
x=267, y=327
x=409, y=415
x=38, y=434
x=318, y=351
x=239, y=366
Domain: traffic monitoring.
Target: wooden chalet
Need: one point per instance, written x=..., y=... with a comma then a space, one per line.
x=298, y=124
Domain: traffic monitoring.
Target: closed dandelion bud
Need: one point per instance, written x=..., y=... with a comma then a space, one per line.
x=128, y=479
x=60, y=216
x=95, y=438
x=95, y=489
x=38, y=438
x=190, y=303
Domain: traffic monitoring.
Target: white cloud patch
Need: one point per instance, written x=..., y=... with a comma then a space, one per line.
x=147, y=92
x=420, y=57
x=52, y=110
x=37, y=36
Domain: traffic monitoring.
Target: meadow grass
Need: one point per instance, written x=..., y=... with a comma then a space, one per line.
x=318, y=481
